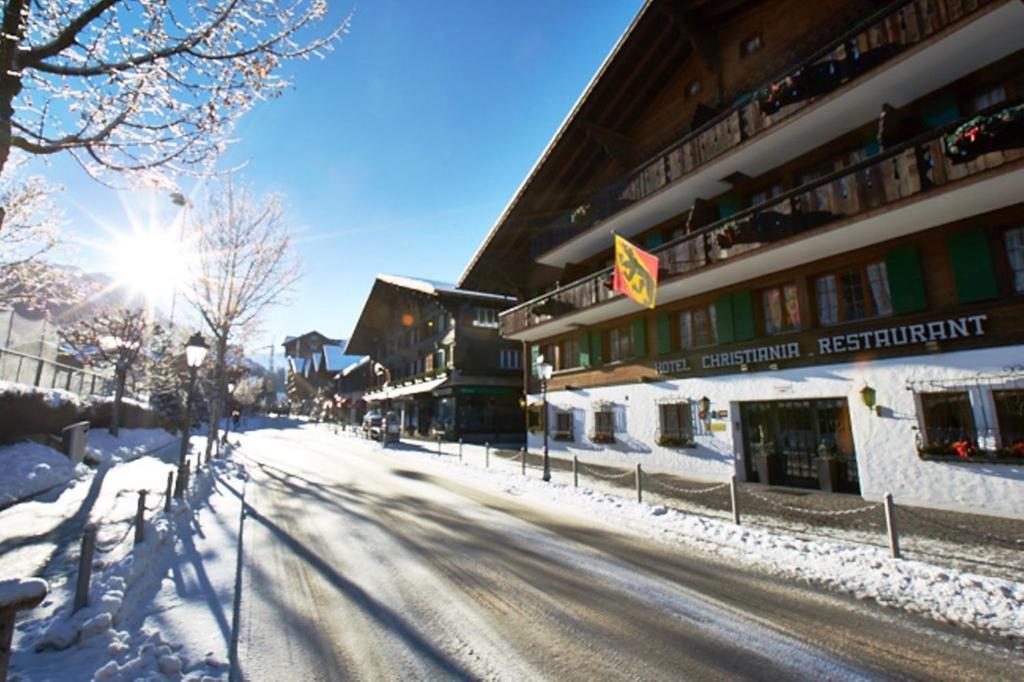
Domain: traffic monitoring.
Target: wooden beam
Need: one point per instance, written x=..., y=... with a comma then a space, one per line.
x=701, y=38
x=617, y=146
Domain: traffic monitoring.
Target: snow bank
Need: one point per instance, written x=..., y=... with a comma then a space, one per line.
x=54, y=397
x=30, y=468
x=91, y=642
x=130, y=444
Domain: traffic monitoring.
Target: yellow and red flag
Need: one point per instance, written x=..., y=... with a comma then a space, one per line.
x=636, y=272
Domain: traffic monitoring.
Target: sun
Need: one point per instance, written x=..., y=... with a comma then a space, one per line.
x=152, y=261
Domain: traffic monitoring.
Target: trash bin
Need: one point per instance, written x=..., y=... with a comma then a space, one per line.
x=73, y=438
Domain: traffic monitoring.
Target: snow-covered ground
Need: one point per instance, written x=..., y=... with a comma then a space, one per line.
x=157, y=610
x=31, y=468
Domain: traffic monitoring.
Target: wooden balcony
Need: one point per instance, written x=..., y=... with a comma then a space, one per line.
x=865, y=49
x=920, y=167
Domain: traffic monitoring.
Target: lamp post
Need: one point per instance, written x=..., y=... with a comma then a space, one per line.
x=544, y=371
x=195, y=353
x=227, y=415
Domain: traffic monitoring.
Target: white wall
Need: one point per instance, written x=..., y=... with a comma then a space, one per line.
x=886, y=445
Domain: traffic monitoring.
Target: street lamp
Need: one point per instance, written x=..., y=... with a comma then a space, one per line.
x=544, y=371
x=227, y=417
x=195, y=353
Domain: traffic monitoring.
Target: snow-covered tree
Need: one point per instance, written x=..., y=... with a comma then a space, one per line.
x=116, y=339
x=145, y=86
x=29, y=233
x=246, y=264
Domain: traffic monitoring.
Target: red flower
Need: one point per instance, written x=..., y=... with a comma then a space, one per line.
x=963, y=448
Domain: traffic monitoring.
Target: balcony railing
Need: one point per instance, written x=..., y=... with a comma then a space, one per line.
x=932, y=160
x=872, y=43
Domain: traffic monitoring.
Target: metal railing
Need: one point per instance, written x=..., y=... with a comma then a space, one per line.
x=909, y=169
x=32, y=370
x=868, y=46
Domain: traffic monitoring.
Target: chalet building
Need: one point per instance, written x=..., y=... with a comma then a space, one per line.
x=314, y=362
x=350, y=387
x=833, y=191
x=442, y=365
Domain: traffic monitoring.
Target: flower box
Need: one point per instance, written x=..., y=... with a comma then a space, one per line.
x=602, y=438
x=675, y=442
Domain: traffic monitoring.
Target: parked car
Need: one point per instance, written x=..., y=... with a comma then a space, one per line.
x=372, y=424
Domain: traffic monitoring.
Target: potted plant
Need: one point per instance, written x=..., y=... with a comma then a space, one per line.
x=602, y=437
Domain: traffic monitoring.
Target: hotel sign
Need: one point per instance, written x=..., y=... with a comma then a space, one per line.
x=886, y=337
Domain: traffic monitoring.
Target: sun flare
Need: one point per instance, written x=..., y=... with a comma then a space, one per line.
x=152, y=261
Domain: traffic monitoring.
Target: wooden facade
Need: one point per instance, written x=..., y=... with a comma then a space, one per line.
x=875, y=259
x=439, y=362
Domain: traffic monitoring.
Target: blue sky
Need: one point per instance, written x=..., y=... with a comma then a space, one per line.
x=399, y=150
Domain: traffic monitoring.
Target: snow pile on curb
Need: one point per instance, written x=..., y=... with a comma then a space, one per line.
x=946, y=595
x=54, y=397
x=130, y=444
x=30, y=468
x=90, y=642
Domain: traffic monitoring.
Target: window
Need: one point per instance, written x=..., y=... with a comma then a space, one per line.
x=563, y=425
x=604, y=425
x=1010, y=413
x=751, y=45
x=697, y=328
x=986, y=99
x=569, y=354
x=439, y=359
x=948, y=419
x=1014, y=240
x=781, y=309
x=765, y=195
x=620, y=344
x=676, y=425
x=855, y=295
x=510, y=359
x=485, y=317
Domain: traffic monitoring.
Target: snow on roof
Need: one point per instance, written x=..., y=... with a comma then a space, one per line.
x=335, y=358
x=355, y=365
x=434, y=288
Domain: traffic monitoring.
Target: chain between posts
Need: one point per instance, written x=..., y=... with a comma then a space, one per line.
x=658, y=483
x=607, y=477
x=1012, y=542
x=813, y=512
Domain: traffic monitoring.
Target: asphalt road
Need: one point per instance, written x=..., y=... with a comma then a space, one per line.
x=358, y=564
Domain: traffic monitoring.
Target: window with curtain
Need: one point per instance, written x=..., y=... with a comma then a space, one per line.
x=676, y=425
x=604, y=425
x=620, y=343
x=569, y=356
x=563, y=425
x=781, y=309
x=853, y=295
x=948, y=418
x=697, y=327
x=1010, y=414
x=1014, y=240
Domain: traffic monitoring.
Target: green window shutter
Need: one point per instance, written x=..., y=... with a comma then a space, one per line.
x=584, y=342
x=743, y=316
x=723, y=317
x=972, y=266
x=640, y=338
x=534, y=352
x=664, y=329
x=596, y=348
x=906, y=281
x=728, y=204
